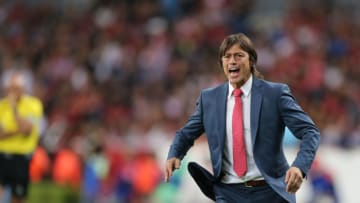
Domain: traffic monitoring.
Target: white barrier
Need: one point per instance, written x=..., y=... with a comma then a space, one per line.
x=343, y=165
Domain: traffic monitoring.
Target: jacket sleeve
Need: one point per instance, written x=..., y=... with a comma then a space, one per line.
x=301, y=125
x=185, y=137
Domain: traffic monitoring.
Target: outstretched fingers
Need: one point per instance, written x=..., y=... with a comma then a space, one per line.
x=171, y=165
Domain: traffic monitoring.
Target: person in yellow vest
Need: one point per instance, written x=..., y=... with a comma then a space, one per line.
x=20, y=116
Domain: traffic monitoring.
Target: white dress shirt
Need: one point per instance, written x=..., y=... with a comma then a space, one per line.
x=253, y=172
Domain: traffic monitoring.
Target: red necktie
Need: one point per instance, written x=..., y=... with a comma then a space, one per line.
x=239, y=151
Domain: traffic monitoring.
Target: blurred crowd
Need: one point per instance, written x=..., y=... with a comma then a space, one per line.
x=118, y=78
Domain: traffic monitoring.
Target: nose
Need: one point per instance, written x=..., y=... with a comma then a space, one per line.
x=232, y=59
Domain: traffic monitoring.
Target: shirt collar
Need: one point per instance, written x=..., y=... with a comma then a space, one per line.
x=246, y=88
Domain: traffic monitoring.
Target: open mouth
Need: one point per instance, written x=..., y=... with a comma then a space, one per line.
x=234, y=70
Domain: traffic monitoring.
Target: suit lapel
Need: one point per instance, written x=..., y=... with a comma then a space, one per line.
x=256, y=100
x=221, y=97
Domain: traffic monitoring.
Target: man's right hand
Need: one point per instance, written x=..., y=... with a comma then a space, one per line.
x=170, y=166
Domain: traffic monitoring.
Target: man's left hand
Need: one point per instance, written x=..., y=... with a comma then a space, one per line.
x=293, y=179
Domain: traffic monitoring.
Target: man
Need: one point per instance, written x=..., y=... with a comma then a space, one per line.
x=20, y=116
x=244, y=121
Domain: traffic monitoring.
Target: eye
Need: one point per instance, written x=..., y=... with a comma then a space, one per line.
x=227, y=56
x=238, y=56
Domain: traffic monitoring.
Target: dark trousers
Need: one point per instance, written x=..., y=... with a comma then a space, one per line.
x=14, y=172
x=238, y=193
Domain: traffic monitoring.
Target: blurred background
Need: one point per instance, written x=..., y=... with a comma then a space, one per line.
x=118, y=78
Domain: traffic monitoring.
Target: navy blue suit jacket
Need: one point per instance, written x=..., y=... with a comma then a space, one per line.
x=272, y=108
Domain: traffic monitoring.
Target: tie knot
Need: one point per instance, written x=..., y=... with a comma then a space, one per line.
x=237, y=92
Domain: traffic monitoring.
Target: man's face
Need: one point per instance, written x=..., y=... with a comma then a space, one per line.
x=16, y=87
x=236, y=65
